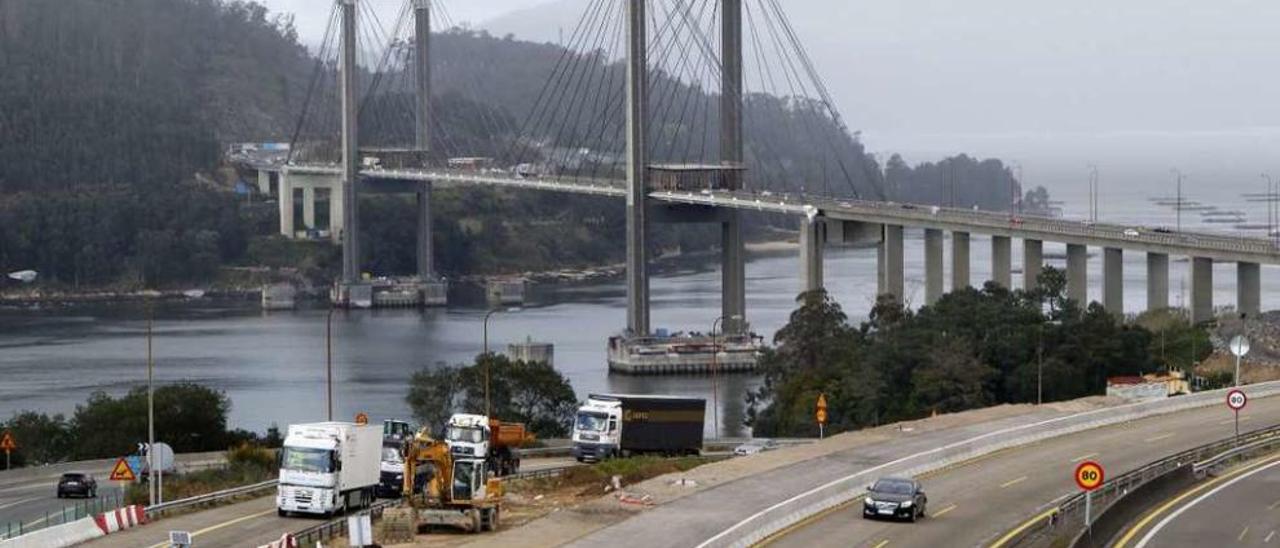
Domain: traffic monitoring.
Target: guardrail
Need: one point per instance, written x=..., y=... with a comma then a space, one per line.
x=89, y=507
x=338, y=527
x=1064, y=520
x=161, y=509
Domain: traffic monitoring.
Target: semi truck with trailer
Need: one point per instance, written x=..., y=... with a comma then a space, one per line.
x=327, y=468
x=498, y=442
x=621, y=425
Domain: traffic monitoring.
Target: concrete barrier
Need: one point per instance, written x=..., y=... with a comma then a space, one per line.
x=777, y=517
x=121, y=519
x=58, y=536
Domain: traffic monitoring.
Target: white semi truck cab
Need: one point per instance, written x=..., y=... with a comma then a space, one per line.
x=620, y=425
x=468, y=435
x=328, y=467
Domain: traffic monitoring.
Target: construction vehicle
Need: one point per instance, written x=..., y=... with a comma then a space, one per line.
x=495, y=440
x=459, y=492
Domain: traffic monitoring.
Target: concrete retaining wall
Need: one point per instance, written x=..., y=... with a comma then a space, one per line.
x=761, y=525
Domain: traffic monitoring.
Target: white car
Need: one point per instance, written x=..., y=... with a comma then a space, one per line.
x=1131, y=233
x=755, y=446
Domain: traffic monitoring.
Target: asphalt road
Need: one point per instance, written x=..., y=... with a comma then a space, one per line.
x=251, y=523
x=1238, y=508
x=976, y=503
x=29, y=495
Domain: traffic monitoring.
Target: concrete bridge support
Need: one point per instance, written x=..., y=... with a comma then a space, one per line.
x=426, y=251
x=1249, y=288
x=1032, y=263
x=637, y=170
x=932, y=265
x=813, y=235
x=1113, y=280
x=959, y=260
x=309, y=207
x=350, y=148
x=733, y=270
x=1002, y=261
x=1201, y=289
x=285, y=201
x=1078, y=274
x=1157, y=281
x=891, y=263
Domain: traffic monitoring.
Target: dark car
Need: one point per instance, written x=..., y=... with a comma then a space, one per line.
x=897, y=498
x=75, y=483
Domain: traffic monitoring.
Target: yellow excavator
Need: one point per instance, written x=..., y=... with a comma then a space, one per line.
x=443, y=489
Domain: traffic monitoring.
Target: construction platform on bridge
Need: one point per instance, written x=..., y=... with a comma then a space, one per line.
x=684, y=354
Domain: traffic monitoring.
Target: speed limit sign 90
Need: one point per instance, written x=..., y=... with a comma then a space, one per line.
x=1236, y=400
x=1089, y=475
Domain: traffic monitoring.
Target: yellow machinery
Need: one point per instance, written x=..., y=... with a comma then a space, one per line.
x=443, y=489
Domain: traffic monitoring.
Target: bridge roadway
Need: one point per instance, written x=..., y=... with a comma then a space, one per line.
x=1219, y=247
x=976, y=503
x=29, y=495
x=1241, y=507
x=249, y=523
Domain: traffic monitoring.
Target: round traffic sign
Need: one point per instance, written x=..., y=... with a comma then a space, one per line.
x=1089, y=475
x=1239, y=345
x=362, y=419
x=1236, y=400
x=822, y=416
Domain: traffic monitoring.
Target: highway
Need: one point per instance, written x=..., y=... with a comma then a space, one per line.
x=976, y=503
x=1240, y=507
x=28, y=495
x=250, y=523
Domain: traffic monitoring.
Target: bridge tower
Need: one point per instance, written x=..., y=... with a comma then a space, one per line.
x=733, y=300
x=637, y=169
x=350, y=151
x=434, y=290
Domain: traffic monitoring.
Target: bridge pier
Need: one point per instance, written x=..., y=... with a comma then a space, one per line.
x=350, y=150
x=733, y=269
x=812, y=237
x=1032, y=263
x=1113, y=280
x=1201, y=289
x=959, y=260
x=1002, y=261
x=426, y=256
x=1078, y=274
x=309, y=207
x=637, y=169
x=1249, y=288
x=932, y=265
x=1157, y=281
x=285, y=201
x=891, y=283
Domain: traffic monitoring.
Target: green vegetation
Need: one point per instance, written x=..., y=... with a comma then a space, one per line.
x=961, y=181
x=189, y=417
x=973, y=348
x=533, y=393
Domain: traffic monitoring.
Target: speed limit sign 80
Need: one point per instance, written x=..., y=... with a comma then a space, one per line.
x=1236, y=400
x=1089, y=475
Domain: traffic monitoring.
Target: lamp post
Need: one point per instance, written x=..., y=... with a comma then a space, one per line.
x=1271, y=218
x=1094, y=179
x=151, y=408
x=1178, y=206
x=485, y=355
x=328, y=361
x=715, y=384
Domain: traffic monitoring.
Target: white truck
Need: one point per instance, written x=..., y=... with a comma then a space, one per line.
x=328, y=467
x=495, y=441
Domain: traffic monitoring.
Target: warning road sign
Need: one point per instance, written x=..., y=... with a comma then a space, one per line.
x=1089, y=475
x=122, y=472
x=7, y=443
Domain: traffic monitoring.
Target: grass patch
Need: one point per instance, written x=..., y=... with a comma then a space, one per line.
x=594, y=479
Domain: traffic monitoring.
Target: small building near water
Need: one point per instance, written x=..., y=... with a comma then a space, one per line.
x=530, y=351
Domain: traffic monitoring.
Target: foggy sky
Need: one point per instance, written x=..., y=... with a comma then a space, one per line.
x=1135, y=86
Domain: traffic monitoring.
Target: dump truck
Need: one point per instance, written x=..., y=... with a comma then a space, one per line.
x=496, y=441
x=459, y=492
x=621, y=425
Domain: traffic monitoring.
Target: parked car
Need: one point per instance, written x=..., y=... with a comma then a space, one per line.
x=76, y=483
x=898, y=498
x=1163, y=230
x=1131, y=233
x=755, y=446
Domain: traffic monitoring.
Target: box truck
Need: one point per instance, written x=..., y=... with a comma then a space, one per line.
x=328, y=467
x=619, y=425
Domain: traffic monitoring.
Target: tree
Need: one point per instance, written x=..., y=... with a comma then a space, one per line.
x=188, y=417
x=42, y=439
x=953, y=379
x=533, y=393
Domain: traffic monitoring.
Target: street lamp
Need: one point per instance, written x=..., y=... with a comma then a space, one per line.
x=328, y=360
x=151, y=408
x=1094, y=180
x=1271, y=217
x=485, y=355
x=715, y=384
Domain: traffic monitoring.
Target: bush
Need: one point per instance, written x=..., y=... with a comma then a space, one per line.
x=252, y=455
